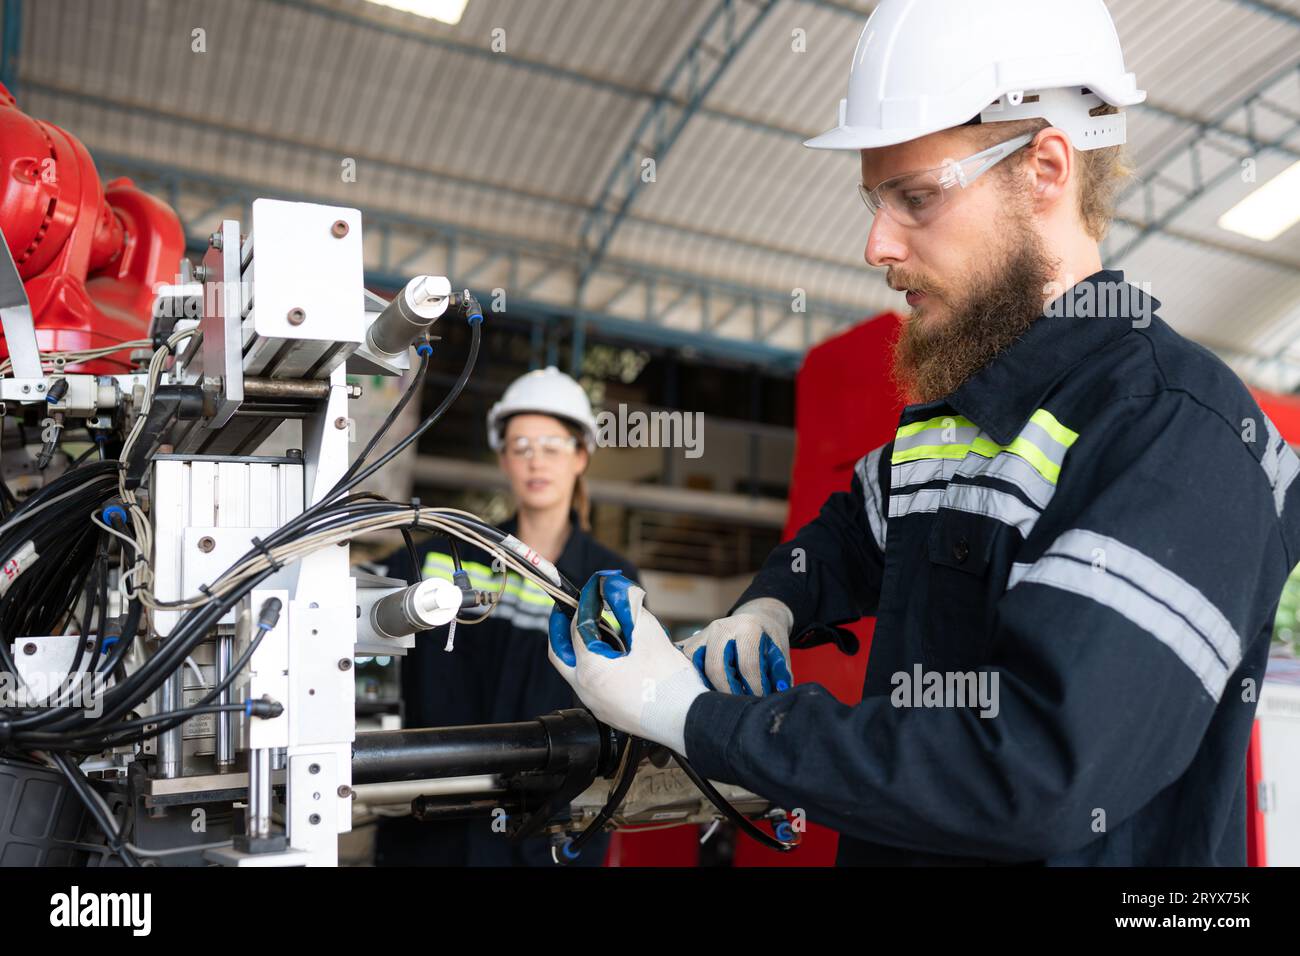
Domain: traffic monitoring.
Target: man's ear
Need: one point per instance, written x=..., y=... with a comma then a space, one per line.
x=1050, y=165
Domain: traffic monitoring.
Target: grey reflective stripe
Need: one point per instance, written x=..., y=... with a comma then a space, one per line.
x=520, y=617
x=1014, y=470
x=918, y=502
x=1280, y=464
x=939, y=435
x=1018, y=570
x=922, y=470
x=973, y=499
x=1039, y=437
x=1146, y=593
x=868, y=469
x=991, y=503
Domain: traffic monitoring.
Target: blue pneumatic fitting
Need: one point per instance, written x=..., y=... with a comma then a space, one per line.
x=784, y=832
x=113, y=510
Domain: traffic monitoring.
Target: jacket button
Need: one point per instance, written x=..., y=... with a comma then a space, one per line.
x=960, y=550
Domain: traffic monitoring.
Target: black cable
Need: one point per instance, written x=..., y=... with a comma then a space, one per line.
x=413, y=389
x=476, y=335
x=87, y=794
x=730, y=812
x=637, y=749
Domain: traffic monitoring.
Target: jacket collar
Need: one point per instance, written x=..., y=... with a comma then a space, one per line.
x=1001, y=396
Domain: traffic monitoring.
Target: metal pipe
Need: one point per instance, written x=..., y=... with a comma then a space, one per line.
x=404, y=791
x=259, y=793
x=225, y=719
x=171, y=742
x=449, y=751
x=286, y=388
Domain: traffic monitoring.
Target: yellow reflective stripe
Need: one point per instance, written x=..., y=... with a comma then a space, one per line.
x=928, y=451
x=943, y=421
x=1023, y=448
x=1048, y=423
x=1020, y=446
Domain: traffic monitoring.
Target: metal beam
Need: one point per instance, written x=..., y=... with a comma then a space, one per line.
x=10, y=43
x=558, y=260
x=1191, y=151
x=487, y=187
x=1270, y=9
x=697, y=72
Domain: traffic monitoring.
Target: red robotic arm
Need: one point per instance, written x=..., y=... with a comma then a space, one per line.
x=90, y=255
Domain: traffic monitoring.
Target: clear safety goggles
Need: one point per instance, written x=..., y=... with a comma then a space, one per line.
x=913, y=199
x=547, y=447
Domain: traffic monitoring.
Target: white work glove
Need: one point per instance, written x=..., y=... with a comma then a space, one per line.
x=645, y=690
x=746, y=653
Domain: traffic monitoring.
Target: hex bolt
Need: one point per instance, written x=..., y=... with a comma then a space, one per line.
x=40, y=387
x=29, y=648
x=341, y=423
x=339, y=229
x=206, y=544
x=200, y=273
x=214, y=241
x=296, y=316
x=345, y=664
x=26, y=389
x=345, y=791
x=314, y=768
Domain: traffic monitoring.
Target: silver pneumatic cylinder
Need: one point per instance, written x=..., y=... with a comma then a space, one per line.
x=431, y=603
x=409, y=315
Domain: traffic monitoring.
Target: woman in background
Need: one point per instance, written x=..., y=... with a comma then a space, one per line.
x=544, y=434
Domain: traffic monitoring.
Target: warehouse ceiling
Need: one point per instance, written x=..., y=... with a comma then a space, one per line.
x=509, y=150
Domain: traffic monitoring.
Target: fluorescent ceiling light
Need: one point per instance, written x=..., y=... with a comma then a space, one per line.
x=1270, y=210
x=448, y=11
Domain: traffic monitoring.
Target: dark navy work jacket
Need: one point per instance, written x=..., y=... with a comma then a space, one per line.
x=1097, y=525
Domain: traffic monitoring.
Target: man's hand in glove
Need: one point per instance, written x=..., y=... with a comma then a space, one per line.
x=646, y=689
x=746, y=653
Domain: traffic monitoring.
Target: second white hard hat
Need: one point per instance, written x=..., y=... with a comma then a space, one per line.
x=546, y=391
x=926, y=65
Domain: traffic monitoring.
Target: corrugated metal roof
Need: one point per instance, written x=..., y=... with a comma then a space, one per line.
x=519, y=143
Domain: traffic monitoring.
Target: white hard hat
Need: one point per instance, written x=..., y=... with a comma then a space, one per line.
x=927, y=65
x=545, y=391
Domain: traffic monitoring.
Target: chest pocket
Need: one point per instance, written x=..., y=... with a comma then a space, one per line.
x=958, y=611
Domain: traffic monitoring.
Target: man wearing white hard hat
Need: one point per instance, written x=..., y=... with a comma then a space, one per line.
x=544, y=433
x=1073, y=546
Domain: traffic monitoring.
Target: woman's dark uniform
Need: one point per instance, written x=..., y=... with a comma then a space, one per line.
x=498, y=672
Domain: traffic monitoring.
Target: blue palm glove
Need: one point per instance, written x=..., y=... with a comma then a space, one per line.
x=644, y=690
x=746, y=653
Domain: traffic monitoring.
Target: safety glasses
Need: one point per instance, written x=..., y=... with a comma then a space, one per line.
x=548, y=447
x=913, y=199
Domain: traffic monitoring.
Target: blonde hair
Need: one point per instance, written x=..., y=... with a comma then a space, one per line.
x=1101, y=171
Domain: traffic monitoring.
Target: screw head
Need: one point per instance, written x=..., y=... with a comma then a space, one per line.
x=314, y=819
x=339, y=229
x=206, y=543
x=29, y=648
x=345, y=791
x=340, y=423
x=296, y=316
x=345, y=664
x=314, y=768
